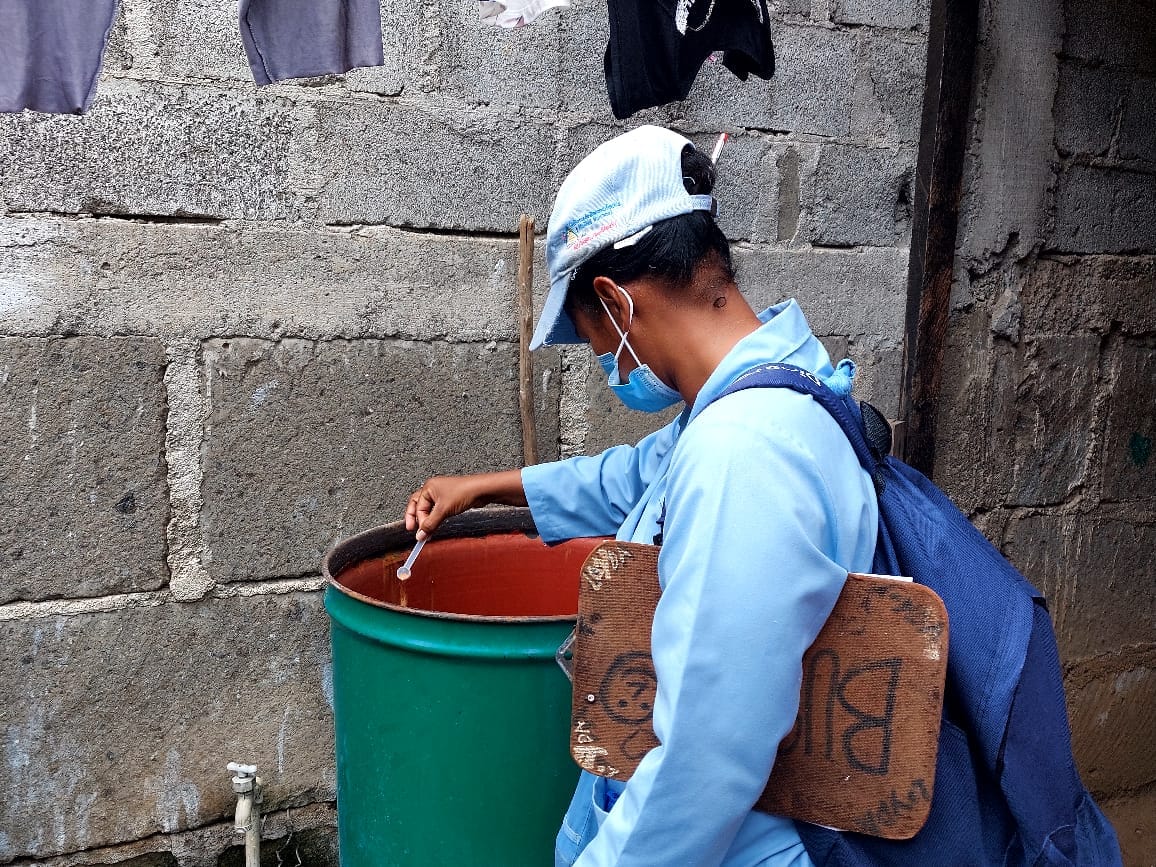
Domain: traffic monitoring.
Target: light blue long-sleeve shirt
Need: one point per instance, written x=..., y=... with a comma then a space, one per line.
x=767, y=509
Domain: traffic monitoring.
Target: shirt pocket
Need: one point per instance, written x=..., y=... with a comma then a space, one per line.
x=580, y=824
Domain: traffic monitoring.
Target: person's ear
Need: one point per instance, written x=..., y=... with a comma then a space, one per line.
x=615, y=301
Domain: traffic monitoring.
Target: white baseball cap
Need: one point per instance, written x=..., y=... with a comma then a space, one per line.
x=614, y=195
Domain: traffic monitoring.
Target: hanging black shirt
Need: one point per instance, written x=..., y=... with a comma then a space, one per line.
x=649, y=63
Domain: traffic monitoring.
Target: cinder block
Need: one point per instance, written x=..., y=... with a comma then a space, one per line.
x=174, y=40
x=83, y=498
x=311, y=441
x=1093, y=293
x=1049, y=417
x=120, y=723
x=811, y=92
x=889, y=104
x=900, y=14
x=1133, y=815
x=124, y=277
x=974, y=454
x=861, y=196
x=481, y=63
x=1129, y=465
x=156, y=150
x=860, y=294
x=1113, y=726
x=1096, y=571
x=880, y=366
x=1104, y=211
x=1137, y=140
x=1117, y=32
x=1017, y=421
x=409, y=166
x=1087, y=101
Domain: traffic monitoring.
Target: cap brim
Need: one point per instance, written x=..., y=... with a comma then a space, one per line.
x=554, y=326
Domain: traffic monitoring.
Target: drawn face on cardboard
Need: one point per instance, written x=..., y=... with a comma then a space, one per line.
x=629, y=688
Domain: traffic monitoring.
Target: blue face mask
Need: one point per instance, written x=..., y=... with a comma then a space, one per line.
x=643, y=390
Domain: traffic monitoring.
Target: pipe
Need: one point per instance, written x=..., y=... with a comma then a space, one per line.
x=247, y=821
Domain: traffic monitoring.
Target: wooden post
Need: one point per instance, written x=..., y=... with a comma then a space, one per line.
x=525, y=332
x=951, y=47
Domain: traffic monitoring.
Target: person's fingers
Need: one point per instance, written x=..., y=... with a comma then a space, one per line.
x=431, y=519
x=411, y=512
x=411, y=507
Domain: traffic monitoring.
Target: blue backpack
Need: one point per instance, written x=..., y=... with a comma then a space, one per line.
x=1006, y=787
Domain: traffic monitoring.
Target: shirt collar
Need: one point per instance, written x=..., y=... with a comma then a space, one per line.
x=784, y=336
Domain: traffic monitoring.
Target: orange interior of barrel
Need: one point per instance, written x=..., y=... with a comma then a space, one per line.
x=501, y=575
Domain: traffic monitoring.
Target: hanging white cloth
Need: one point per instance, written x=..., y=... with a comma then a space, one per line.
x=516, y=13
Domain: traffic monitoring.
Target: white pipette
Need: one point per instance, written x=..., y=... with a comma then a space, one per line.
x=718, y=146
x=403, y=571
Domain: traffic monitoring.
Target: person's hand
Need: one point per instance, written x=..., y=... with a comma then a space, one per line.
x=445, y=496
x=439, y=498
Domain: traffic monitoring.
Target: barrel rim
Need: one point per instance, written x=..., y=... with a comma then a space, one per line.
x=388, y=538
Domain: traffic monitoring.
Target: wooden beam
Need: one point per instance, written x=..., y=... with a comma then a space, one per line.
x=951, y=49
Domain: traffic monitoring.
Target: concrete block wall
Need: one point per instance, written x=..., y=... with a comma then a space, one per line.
x=237, y=324
x=1046, y=430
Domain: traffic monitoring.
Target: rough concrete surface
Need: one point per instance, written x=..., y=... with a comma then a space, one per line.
x=1104, y=210
x=307, y=442
x=861, y=196
x=1118, y=32
x=483, y=64
x=164, y=150
x=120, y=724
x=83, y=502
x=1092, y=294
x=1008, y=172
x=1129, y=466
x=811, y=92
x=111, y=276
x=1043, y=426
x=890, y=13
x=1134, y=818
x=417, y=166
x=889, y=88
x=1093, y=570
x=1114, y=726
x=308, y=833
x=1136, y=138
x=858, y=293
x=1087, y=104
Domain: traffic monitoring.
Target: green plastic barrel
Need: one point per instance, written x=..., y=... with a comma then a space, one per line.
x=452, y=717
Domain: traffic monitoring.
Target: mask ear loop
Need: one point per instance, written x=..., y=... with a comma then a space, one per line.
x=621, y=333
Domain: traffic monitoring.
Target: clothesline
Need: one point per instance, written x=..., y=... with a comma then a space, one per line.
x=53, y=49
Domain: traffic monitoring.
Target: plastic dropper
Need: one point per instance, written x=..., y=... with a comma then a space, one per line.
x=718, y=146
x=403, y=571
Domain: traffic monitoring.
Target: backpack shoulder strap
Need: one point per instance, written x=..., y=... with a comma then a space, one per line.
x=864, y=426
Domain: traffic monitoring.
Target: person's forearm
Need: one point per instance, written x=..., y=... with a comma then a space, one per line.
x=502, y=487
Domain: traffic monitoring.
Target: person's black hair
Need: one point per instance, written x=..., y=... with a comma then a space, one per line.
x=670, y=251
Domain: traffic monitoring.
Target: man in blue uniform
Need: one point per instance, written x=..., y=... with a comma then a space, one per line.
x=758, y=500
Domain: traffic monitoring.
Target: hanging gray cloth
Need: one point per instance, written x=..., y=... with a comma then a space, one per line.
x=303, y=38
x=50, y=53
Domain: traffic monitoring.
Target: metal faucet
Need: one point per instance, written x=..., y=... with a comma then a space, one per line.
x=248, y=787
